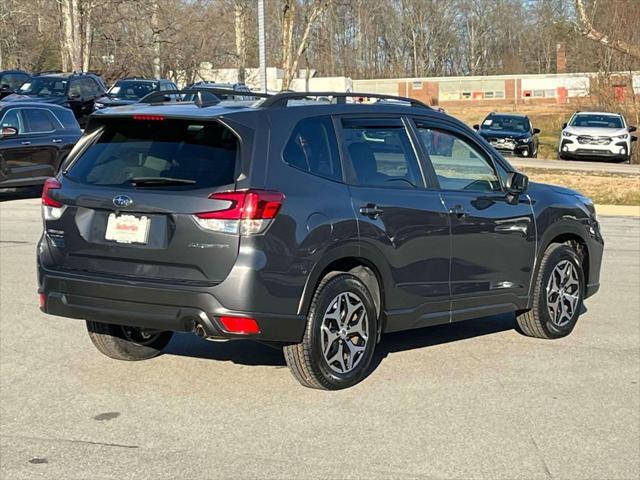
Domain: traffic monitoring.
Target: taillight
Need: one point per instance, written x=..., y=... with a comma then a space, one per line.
x=240, y=325
x=51, y=209
x=248, y=212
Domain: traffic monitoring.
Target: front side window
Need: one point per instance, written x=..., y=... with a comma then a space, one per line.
x=181, y=154
x=458, y=164
x=381, y=154
x=89, y=88
x=38, y=120
x=312, y=147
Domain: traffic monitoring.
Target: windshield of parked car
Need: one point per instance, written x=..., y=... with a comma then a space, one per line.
x=45, y=87
x=598, y=121
x=506, y=123
x=14, y=80
x=132, y=89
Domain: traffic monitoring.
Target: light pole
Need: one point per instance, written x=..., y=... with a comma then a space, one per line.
x=262, y=55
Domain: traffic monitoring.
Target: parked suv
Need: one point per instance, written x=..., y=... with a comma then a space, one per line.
x=34, y=140
x=318, y=227
x=510, y=133
x=76, y=91
x=596, y=135
x=131, y=90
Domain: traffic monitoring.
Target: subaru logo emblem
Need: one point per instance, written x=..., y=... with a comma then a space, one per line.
x=122, y=201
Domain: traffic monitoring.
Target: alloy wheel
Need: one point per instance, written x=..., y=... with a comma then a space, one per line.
x=344, y=332
x=563, y=293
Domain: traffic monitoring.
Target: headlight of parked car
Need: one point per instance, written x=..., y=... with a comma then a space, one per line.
x=622, y=137
x=567, y=134
x=524, y=140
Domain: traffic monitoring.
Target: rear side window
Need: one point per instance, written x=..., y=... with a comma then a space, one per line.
x=381, y=154
x=38, y=120
x=12, y=119
x=66, y=118
x=203, y=153
x=312, y=147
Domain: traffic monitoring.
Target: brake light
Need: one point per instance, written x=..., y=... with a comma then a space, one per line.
x=153, y=118
x=240, y=325
x=50, y=184
x=51, y=209
x=249, y=212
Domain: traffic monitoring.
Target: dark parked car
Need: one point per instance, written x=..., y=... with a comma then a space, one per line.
x=131, y=90
x=34, y=140
x=317, y=227
x=77, y=91
x=510, y=133
x=236, y=91
x=11, y=80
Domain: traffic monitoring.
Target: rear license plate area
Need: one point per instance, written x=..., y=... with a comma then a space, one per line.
x=127, y=229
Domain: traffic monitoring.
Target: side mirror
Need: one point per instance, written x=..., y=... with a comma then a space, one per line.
x=476, y=127
x=517, y=183
x=537, y=131
x=8, y=132
x=632, y=128
x=564, y=125
x=634, y=138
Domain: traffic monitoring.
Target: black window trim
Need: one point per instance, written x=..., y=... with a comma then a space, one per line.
x=461, y=134
x=382, y=120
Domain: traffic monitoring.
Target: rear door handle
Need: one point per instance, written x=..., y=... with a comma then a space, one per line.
x=57, y=140
x=25, y=142
x=458, y=211
x=371, y=210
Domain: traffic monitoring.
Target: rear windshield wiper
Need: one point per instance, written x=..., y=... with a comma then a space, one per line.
x=159, y=181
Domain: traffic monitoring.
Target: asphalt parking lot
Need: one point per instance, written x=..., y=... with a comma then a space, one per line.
x=472, y=400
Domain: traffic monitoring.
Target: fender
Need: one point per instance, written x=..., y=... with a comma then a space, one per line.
x=350, y=250
x=564, y=225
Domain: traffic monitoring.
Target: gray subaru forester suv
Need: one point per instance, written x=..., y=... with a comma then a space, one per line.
x=313, y=225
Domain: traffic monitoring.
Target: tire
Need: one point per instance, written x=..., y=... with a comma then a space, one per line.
x=340, y=367
x=126, y=343
x=539, y=322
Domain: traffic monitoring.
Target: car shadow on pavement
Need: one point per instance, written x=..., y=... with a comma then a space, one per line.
x=246, y=352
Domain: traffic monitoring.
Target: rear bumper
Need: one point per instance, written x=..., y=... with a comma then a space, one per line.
x=161, y=307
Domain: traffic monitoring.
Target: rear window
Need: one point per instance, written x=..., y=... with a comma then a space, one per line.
x=201, y=152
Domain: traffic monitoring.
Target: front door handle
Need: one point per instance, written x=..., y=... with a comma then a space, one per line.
x=458, y=211
x=25, y=142
x=371, y=210
x=57, y=140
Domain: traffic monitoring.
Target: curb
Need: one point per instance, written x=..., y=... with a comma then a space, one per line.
x=618, y=210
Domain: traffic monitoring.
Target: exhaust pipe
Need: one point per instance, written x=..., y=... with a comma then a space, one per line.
x=200, y=331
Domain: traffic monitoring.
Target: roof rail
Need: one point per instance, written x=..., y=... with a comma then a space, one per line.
x=204, y=97
x=48, y=72
x=281, y=99
x=230, y=91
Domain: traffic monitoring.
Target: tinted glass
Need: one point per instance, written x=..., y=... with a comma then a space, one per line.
x=38, y=120
x=312, y=148
x=506, y=123
x=12, y=119
x=459, y=165
x=132, y=89
x=89, y=88
x=598, y=121
x=14, y=80
x=45, y=87
x=67, y=119
x=381, y=156
x=204, y=152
